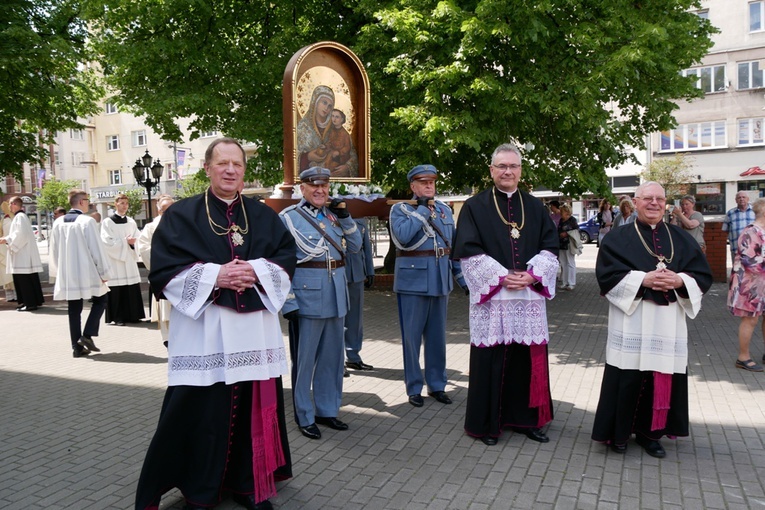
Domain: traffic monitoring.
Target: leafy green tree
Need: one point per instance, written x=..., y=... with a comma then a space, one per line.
x=45, y=84
x=55, y=193
x=193, y=185
x=574, y=82
x=674, y=173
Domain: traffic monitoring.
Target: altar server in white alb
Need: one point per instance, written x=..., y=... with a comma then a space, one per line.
x=160, y=309
x=119, y=234
x=81, y=269
x=23, y=259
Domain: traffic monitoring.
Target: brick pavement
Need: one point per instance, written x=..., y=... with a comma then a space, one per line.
x=73, y=432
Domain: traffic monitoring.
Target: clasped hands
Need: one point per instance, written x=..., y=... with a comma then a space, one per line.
x=236, y=275
x=662, y=280
x=517, y=281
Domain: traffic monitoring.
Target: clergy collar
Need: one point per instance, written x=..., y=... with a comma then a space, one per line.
x=75, y=211
x=509, y=194
x=647, y=225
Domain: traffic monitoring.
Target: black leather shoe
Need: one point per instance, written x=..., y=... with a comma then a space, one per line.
x=88, y=343
x=345, y=373
x=651, y=447
x=358, y=365
x=441, y=396
x=80, y=353
x=311, y=431
x=27, y=309
x=489, y=441
x=619, y=448
x=248, y=501
x=533, y=433
x=332, y=423
x=416, y=400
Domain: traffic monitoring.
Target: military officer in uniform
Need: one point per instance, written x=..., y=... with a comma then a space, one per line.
x=422, y=233
x=319, y=300
x=360, y=272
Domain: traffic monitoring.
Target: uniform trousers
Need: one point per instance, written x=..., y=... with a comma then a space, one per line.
x=74, y=310
x=319, y=368
x=354, y=325
x=423, y=317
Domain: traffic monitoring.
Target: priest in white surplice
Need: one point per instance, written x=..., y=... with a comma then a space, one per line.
x=224, y=262
x=6, y=280
x=81, y=269
x=119, y=233
x=160, y=308
x=653, y=275
x=508, y=246
x=23, y=259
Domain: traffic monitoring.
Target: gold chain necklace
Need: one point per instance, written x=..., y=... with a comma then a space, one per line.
x=235, y=230
x=662, y=259
x=515, y=233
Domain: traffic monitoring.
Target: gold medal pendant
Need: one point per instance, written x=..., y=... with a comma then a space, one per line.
x=237, y=238
x=515, y=233
x=661, y=265
x=322, y=225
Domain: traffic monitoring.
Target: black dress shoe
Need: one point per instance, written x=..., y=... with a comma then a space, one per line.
x=248, y=501
x=120, y=323
x=80, y=353
x=27, y=309
x=416, y=400
x=358, y=365
x=87, y=342
x=19, y=307
x=533, y=433
x=489, y=441
x=651, y=446
x=346, y=373
x=619, y=448
x=332, y=423
x=441, y=396
x=311, y=431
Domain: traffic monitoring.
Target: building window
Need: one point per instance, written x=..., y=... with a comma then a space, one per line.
x=115, y=177
x=750, y=131
x=709, y=79
x=113, y=143
x=76, y=134
x=139, y=138
x=78, y=158
x=208, y=134
x=692, y=137
x=756, y=12
x=110, y=108
x=749, y=75
x=704, y=14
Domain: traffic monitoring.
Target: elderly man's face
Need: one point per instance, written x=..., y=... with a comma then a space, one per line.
x=650, y=204
x=424, y=188
x=226, y=170
x=315, y=194
x=506, y=171
x=742, y=200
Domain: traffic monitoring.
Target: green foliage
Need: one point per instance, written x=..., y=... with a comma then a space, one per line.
x=135, y=200
x=193, y=185
x=581, y=80
x=44, y=83
x=55, y=193
x=674, y=173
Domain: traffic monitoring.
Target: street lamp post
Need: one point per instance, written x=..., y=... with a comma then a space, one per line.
x=143, y=170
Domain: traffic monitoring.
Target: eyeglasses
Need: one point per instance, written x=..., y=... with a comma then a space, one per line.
x=648, y=200
x=505, y=168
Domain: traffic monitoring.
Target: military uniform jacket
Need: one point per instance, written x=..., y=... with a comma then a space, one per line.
x=319, y=293
x=412, y=231
x=361, y=264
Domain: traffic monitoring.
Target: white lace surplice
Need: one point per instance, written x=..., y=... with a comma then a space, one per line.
x=509, y=316
x=209, y=343
x=645, y=336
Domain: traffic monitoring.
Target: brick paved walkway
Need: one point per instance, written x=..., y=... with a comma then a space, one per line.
x=73, y=432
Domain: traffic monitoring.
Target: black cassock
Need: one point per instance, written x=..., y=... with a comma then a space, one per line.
x=500, y=376
x=626, y=396
x=203, y=444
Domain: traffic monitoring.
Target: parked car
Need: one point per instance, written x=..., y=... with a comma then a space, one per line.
x=39, y=234
x=588, y=230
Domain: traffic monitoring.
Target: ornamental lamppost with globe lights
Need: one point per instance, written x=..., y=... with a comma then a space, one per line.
x=143, y=170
